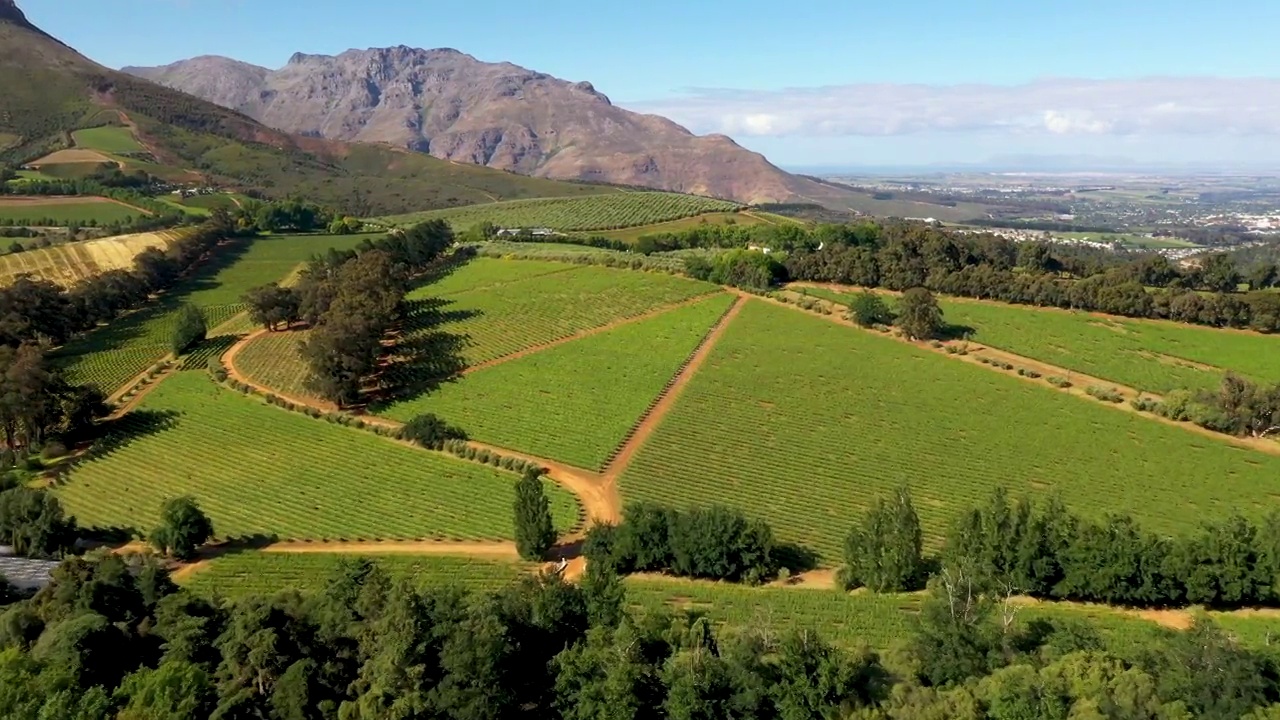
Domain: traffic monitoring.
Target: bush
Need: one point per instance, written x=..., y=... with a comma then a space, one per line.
x=1110, y=395
x=1058, y=381
x=430, y=432
x=869, y=310
x=53, y=450
x=714, y=543
x=1028, y=373
x=1145, y=404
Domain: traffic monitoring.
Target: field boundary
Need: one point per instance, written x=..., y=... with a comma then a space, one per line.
x=611, y=325
x=621, y=457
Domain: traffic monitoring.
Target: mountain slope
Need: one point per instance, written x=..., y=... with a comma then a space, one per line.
x=48, y=89
x=495, y=114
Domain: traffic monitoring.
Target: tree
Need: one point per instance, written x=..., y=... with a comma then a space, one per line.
x=868, y=309
x=884, y=553
x=183, y=528
x=190, y=329
x=175, y=690
x=604, y=594
x=1264, y=276
x=430, y=431
x=32, y=521
x=534, y=531
x=1219, y=274
x=271, y=305
x=919, y=315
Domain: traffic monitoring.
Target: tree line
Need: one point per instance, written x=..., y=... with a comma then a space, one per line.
x=1043, y=550
x=715, y=543
x=350, y=300
x=113, y=637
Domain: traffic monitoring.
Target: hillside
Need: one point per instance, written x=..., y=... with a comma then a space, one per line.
x=48, y=89
x=500, y=115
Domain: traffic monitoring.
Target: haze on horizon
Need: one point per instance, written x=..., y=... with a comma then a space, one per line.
x=839, y=84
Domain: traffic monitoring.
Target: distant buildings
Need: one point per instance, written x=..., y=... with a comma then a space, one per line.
x=535, y=232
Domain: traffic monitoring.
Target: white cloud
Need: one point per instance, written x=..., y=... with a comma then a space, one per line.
x=1150, y=106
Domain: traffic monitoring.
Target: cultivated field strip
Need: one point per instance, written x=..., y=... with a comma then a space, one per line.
x=803, y=423
x=69, y=263
x=265, y=573
x=488, y=273
x=526, y=313
x=1154, y=356
x=596, y=212
x=258, y=470
x=578, y=401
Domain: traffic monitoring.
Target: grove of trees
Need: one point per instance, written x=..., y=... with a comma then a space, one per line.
x=114, y=638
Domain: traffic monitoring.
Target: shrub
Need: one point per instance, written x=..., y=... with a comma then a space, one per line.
x=1058, y=381
x=430, y=432
x=869, y=310
x=1104, y=394
x=1145, y=404
x=53, y=450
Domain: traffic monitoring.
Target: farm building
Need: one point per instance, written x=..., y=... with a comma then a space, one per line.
x=24, y=573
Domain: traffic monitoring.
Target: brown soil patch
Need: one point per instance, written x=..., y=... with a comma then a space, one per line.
x=614, y=325
x=47, y=200
x=500, y=550
x=71, y=156
x=653, y=419
x=811, y=580
x=1173, y=619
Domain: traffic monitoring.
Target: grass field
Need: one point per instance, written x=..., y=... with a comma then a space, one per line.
x=258, y=470
x=108, y=139
x=259, y=573
x=62, y=212
x=574, y=403
x=1129, y=239
x=111, y=355
x=803, y=423
x=1152, y=356
x=601, y=212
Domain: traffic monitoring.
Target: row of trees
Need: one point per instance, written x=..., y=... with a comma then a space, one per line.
x=351, y=300
x=714, y=543
x=1239, y=407
x=41, y=312
x=1043, y=550
x=110, y=639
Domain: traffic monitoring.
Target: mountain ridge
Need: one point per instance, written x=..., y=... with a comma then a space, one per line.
x=453, y=106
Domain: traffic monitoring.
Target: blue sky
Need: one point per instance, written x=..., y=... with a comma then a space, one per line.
x=678, y=58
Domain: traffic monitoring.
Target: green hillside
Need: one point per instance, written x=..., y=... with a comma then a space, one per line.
x=48, y=90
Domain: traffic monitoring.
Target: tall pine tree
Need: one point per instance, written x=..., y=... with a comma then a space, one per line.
x=534, y=532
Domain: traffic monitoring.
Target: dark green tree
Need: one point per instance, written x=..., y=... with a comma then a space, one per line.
x=430, y=431
x=868, y=309
x=919, y=316
x=534, y=531
x=32, y=521
x=189, y=329
x=173, y=691
x=271, y=306
x=183, y=528
x=604, y=594
x=884, y=553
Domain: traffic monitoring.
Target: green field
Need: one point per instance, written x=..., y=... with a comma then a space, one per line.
x=720, y=218
x=1129, y=240
x=259, y=470
x=109, y=356
x=803, y=423
x=494, y=308
x=576, y=402
x=108, y=139
x=1153, y=356
x=601, y=212
x=72, y=211
x=264, y=573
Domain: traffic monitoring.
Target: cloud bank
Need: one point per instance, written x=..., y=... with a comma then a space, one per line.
x=1046, y=108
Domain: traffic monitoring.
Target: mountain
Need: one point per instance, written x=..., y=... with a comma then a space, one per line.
x=455, y=107
x=47, y=90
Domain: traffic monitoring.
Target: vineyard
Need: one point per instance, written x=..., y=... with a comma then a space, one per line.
x=1148, y=355
x=108, y=139
x=489, y=273
x=72, y=262
x=72, y=211
x=110, y=355
x=266, y=573
x=258, y=470
x=611, y=211
x=803, y=423
x=552, y=403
